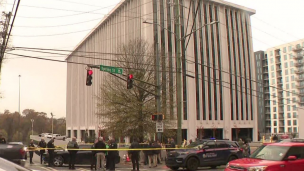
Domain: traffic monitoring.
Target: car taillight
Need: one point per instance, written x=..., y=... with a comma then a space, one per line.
x=22, y=152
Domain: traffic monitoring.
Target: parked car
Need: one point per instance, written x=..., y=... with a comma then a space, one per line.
x=20, y=143
x=274, y=156
x=295, y=140
x=7, y=165
x=13, y=152
x=62, y=156
x=207, y=153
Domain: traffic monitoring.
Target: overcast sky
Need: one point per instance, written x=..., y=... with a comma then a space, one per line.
x=43, y=83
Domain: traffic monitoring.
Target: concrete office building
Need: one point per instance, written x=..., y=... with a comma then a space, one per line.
x=285, y=71
x=218, y=102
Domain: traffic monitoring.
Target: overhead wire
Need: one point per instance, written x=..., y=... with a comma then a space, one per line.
x=80, y=63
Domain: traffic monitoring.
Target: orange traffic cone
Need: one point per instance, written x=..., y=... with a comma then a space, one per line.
x=128, y=158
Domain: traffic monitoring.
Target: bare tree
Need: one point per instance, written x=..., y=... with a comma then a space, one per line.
x=128, y=112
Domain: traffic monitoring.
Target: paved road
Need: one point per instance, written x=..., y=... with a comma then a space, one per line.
x=120, y=167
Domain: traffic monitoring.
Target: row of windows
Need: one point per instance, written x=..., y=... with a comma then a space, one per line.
x=275, y=123
x=295, y=129
x=294, y=107
x=285, y=49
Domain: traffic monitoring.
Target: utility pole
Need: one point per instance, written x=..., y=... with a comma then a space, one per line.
x=178, y=74
x=32, y=120
x=5, y=22
x=52, y=125
x=158, y=89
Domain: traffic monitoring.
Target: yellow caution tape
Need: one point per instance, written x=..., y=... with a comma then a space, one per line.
x=119, y=149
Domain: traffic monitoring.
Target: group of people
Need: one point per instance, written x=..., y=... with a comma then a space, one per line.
x=244, y=144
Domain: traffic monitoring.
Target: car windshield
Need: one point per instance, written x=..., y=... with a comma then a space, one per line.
x=195, y=144
x=270, y=152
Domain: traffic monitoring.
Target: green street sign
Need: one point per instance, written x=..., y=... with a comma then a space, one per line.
x=111, y=69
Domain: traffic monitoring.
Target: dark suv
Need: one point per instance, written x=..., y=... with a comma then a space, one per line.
x=206, y=153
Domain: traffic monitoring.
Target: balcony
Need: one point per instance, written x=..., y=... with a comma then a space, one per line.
x=280, y=97
x=299, y=79
x=300, y=86
x=268, y=125
x=301, y=93
x=265, y=65
x=265, y=71
x=297, y=56
x=279, y=68
x=281, y=111
x=267, y=105
x=278, y=62
x=299, y=71
x=266, y=85
x=266, y=78
x=280, y=82
x=301, y=102
x=279, y=75
x=297, y=48
x=267, y=112
x=298, y=64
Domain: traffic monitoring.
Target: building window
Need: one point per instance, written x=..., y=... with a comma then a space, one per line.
x=293, y=85
x=284, y=50
x=274, y=123
x=290, y=56
x=290, y=130
x=272, y=68
x=294, y=107
x=286, y=72
x=289, y=48
x=273, y=81
x=275, y=130
x=272, y=74
x=295, y=129
x=271, y=60
x=286, y=64
x=294, y=122
x=287, y=79
x=271, y=53
x=275, y=116
x=294, y=114
x=287, y=86
x=291, y=71
x=291, y=63
x=274, y=109
x=287, y=94
x=288, y=108
x=292, y=78
x=288, y=115
x=289, y=122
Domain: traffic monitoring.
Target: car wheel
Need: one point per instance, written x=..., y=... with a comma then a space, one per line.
x=174, y=168
x=232, y=158
x=192, y=164
x=58, y=161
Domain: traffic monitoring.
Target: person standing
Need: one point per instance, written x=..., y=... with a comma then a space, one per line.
x=2, y=140
x=134, y=154
x=112, y=154
x=51, y=147
x=100, y=154
x=158, y=152
x=72, y=146
x=42, y=145
x=31, y=149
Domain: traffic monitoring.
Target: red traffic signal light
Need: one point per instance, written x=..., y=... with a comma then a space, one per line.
x=89, y=77
x=130, y=81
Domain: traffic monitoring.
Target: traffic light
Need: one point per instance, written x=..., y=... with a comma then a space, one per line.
x=156, y=117
x=130, y=81
x=89, y=77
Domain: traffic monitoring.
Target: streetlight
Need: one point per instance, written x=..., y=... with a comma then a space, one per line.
x=19, y=110
x=32, y=120
x=52, y=125
x=178, y=69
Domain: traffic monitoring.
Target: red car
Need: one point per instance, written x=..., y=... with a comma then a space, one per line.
x=272, y=157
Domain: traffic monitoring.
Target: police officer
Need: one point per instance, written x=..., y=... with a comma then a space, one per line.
x=42, y=145
x=51, y=146
x=2, y=140
x=112, y=154
x=31, y=151
x=72, y=146
x=134, y=154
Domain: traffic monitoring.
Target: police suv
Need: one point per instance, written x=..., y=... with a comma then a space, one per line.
x=204, y=153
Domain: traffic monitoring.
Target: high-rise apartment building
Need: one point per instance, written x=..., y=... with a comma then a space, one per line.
x=283, y=82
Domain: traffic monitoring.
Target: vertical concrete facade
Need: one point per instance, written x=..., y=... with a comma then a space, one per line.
x=219, y=101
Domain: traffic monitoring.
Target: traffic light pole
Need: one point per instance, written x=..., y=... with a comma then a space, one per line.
x=178, y=75
x=158, y=89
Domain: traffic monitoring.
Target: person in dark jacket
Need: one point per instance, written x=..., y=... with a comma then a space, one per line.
x=31, y=149
x=158, y=152
x=151, y=155
x=72, y=146
x=112, y=154
x=51, y=146
x=135, y=154
x=2, y=140
x=93, y=157
x=100, y=154
x=42, y=145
